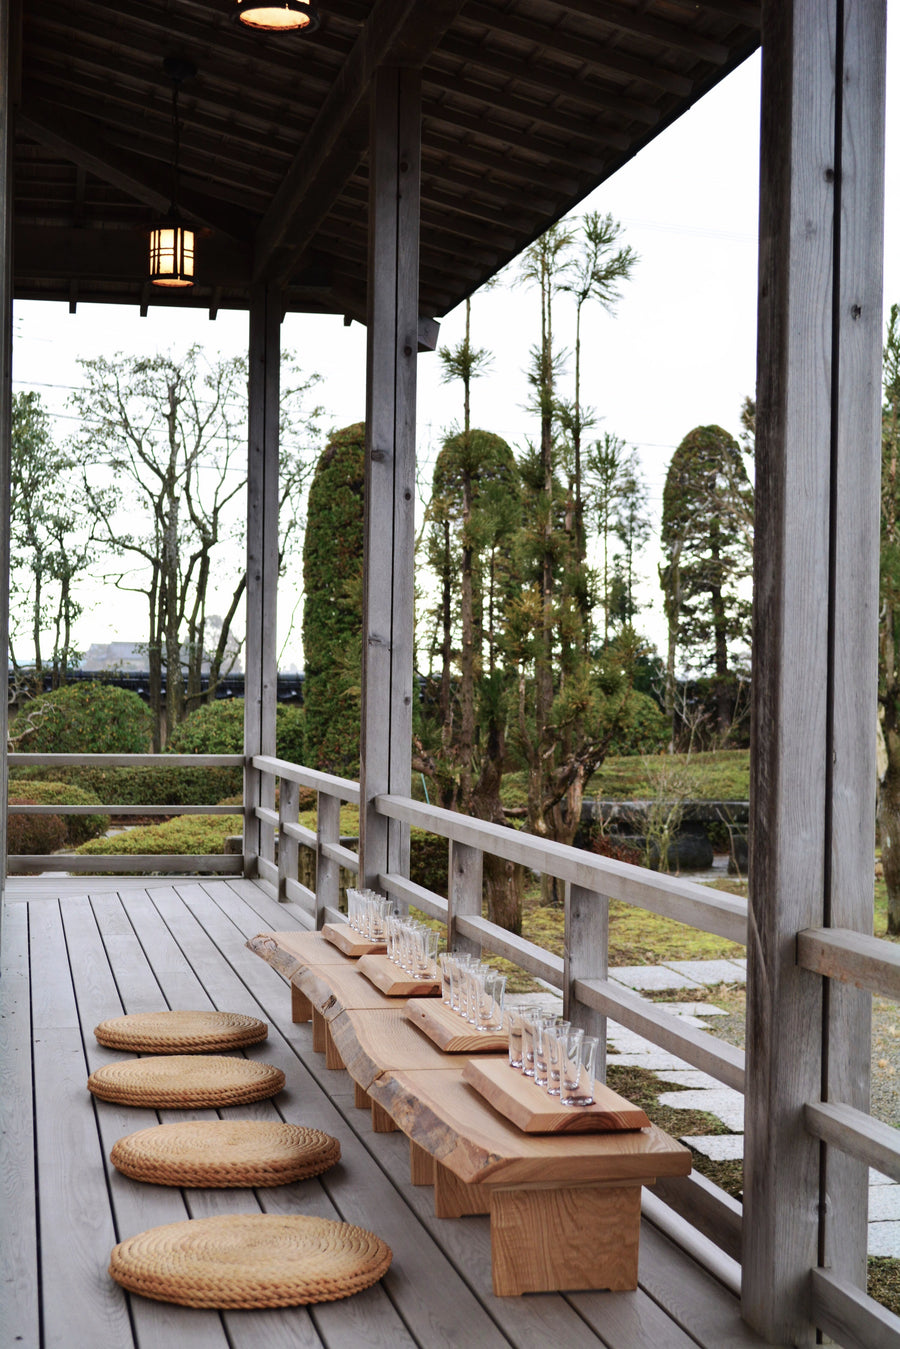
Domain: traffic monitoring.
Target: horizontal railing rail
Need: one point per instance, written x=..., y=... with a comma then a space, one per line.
x=851, y=957
x=136, y=863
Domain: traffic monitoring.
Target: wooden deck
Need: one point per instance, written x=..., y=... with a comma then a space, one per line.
x=74, y=952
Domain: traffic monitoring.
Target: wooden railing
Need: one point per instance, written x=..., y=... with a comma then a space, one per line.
x=219, y=863
x=581, y=976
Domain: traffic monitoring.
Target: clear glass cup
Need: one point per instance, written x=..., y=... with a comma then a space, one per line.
x=514, y=1019
x=553, y=1052
x=530, y=1021
x=490, y=1007
x=579, y=1070
x=445, y=959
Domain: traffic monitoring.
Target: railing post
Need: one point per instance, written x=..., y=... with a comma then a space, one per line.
x=288, y=848
x=328, y=873
x=6, y=302
x=463, y=893
x=586, y=956
x=814, y=640
x=261, y=678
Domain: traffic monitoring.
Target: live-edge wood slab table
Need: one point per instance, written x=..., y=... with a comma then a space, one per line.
x=564, y=1210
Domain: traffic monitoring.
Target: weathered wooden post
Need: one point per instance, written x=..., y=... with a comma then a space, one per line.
x=815, y=627
x=393, y=309
x=586, y=956
x=260, y=681
x=6, y=300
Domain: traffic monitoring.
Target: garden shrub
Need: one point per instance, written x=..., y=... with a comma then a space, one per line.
x=218, y=728
x=428, y=856
x=149, y=786
x=199, y=835
x=84, y=718
x=643, y=727
x=77, y=828
x=30, y=834
x=332, y=608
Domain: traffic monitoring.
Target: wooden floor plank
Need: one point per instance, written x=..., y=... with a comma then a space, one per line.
x=19, y=1313
x=382, y=1325
x=270, y=913
x=76, y=1227
x=136, y=1207
x=700, y=1305
x=435, y=1304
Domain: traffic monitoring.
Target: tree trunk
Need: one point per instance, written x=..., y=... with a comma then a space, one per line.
x=889, y=823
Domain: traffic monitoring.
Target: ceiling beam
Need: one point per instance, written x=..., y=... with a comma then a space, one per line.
x=628, y=20
x=76, y=140
x=404, y=32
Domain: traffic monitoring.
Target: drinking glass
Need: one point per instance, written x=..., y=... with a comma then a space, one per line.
x=490, y=1006
x=514, y=1018
x=553, y=1051
x=578, y=1070
x=530, y=1022
x=446, y=958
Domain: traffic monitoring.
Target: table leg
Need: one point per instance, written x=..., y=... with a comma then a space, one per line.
x=545, y=1240
x=421, y=1165
x=360, y=1097
x=454, y=1198
x=381, y=1120
x=301, y=1007
x=318, y=1024
x=332, y=1055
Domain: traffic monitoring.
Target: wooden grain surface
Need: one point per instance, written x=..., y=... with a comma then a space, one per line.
x=338, y=988
x=450, y=1032
x=544, y=1240
x=528, y=1106
x=349, y=942
x=451, y=1121
x=394, y=982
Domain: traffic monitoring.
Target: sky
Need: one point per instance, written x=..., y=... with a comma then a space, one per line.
x=679, y=352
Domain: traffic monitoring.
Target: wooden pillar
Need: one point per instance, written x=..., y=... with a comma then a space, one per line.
x=586, y=956
x=262, y=564
x=6, y=301
x=386, y=740
x=815, y=626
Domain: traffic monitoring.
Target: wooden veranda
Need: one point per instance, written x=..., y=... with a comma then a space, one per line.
x=382, y=169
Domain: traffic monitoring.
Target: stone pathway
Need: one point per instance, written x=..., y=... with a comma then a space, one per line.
x=702, y=1092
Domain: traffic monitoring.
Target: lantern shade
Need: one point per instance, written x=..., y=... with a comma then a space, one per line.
x=172, y=255
x=277, y=16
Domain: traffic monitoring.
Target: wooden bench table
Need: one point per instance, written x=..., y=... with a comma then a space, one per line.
x=565, y=1210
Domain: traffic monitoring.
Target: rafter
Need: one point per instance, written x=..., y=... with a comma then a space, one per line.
x=77, y=140
x=402, y=31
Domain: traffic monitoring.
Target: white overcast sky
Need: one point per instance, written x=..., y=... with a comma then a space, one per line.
x=680, y=353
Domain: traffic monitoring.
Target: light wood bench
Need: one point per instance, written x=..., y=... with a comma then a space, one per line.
x=564, y=1210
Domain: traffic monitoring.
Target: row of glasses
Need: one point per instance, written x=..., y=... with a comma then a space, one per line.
x=558, y=1056
x=412, y=945
x=368, y=912
x=474, y=989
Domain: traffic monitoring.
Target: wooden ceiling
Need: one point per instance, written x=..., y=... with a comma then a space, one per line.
x=527, y=106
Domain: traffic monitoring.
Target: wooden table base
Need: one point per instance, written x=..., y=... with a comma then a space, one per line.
x=546, y=1240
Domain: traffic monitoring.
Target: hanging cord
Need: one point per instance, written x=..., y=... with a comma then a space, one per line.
x=176, y=140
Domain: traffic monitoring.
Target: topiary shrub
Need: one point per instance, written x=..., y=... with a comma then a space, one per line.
x=77, y=828
x=643, y=727
x=218, y=728
x=163, y=786
x=332, y=608
x=30, y=834
x=86, y=718
x=189, y=835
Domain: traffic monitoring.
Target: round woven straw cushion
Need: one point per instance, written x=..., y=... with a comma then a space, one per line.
x=180, y=1081
x=225, y=1153
x=261, y=1260
x=180, y=1032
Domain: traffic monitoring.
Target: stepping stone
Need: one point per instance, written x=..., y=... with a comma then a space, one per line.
x=652, y=1061
x=717, y=1147
x=693, y=1008
x=690, y=1077
x=651, y=978
x=884, y=1203
x=725, y=1104
x=884, y=1239
x=710, y=972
